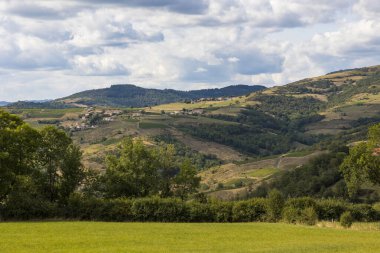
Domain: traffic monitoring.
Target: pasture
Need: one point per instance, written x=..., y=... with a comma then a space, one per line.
x=81, y=237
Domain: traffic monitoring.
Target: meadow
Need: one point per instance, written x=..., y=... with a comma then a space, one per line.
x=95, y=237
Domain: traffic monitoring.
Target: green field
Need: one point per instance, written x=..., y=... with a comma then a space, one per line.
x=168, y=237
x=263, y=172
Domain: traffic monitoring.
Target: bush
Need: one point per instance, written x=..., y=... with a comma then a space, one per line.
x=346, y=219
x=301, y=203
x=222, y=211
x=200, y=212
x=363, y=212
x=330, y=209
x=275, y=205
x=250, y=210
x=309, y=216
x=290, y=214
x=25, y=207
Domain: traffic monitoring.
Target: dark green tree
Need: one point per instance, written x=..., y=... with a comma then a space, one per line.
x=60, y=167
x=186, y=181
x=132, y=172
x=18, y=145
x=363, y=163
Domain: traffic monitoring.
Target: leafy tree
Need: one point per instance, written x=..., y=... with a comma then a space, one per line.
x=276, y=202
x=18, y=145
x=132, y=172
x=187, y=181
x=51, y=158
x=167, y=167
x=363, y=162
x=72, y=171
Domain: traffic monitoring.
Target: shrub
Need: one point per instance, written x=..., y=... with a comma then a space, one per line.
x=330, y=209
x=119, y=210
x=290, y=214
x=29, y=209
x=222, y=211
x=250, y=210
x=301, y=203
x=363, y=212
x=275, y=205
x=309, y=216
x=200, y=212
x=346, y=219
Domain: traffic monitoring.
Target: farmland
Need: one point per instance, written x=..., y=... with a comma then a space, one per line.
x=95, y=237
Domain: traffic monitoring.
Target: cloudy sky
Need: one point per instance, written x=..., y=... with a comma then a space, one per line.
x=53, y=48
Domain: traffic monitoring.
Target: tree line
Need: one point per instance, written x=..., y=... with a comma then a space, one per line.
x=44, y=168
x=42, y=176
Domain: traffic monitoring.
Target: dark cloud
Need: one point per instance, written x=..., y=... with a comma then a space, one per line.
x=252, y=62
x=39, y=10
x=180, y=6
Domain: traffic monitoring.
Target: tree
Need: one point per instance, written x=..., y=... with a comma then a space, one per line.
x=276, y=202
x=18, y=145
x=132, y=172
x=186, y=181
x=363, y=162
x=167, y=168
x=72, y=171
x=60, y=165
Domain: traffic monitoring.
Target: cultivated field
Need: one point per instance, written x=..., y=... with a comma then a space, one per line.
x=95, y=237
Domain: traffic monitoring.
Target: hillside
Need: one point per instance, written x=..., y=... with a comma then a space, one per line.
x=4, y=103
x=239, y=142
x=127, y=95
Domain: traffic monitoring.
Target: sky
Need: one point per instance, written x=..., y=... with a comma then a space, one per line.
x=53, y=48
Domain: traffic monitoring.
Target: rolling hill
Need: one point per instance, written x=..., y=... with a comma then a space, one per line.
x=128, y=95
x=238, y=143
x=4, y=103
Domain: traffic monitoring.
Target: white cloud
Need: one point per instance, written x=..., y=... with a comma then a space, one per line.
x=54, y=48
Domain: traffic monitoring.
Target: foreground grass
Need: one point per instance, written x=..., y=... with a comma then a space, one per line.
x=168, y=237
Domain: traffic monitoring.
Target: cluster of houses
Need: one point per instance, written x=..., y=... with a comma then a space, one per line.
x=212, y=99
x=93, y=116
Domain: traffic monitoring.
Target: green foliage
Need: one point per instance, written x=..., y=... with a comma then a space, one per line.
x=186, y=181
x=290, y=214
x=133, y=96
x=250, y=210
x=259, y=132
x=182, y=152
x=363, y=162
x=289, y=107
x=132, y=172
x=346, y=219
x=275, y=205
x=319, y=178
x=309, y=216
x=139, y=171
x=300, y=210
x=45, y=164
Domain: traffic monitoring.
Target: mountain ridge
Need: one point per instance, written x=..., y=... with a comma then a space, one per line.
x=129, y=95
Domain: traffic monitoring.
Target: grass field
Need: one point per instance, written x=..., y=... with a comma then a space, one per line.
x=165, y=237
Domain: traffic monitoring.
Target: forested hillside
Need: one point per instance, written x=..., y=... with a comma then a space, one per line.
x=127, y=95
x=307, y=112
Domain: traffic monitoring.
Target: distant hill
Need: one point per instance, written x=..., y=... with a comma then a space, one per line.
x=128, y=95
x=47, y=104
x=4, y=103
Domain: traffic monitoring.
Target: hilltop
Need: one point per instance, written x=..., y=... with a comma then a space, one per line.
x=128, y=95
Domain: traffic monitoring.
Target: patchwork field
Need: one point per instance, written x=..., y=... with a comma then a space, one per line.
x=81, y=237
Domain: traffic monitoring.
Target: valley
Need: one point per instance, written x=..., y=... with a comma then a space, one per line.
x=243, y=141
